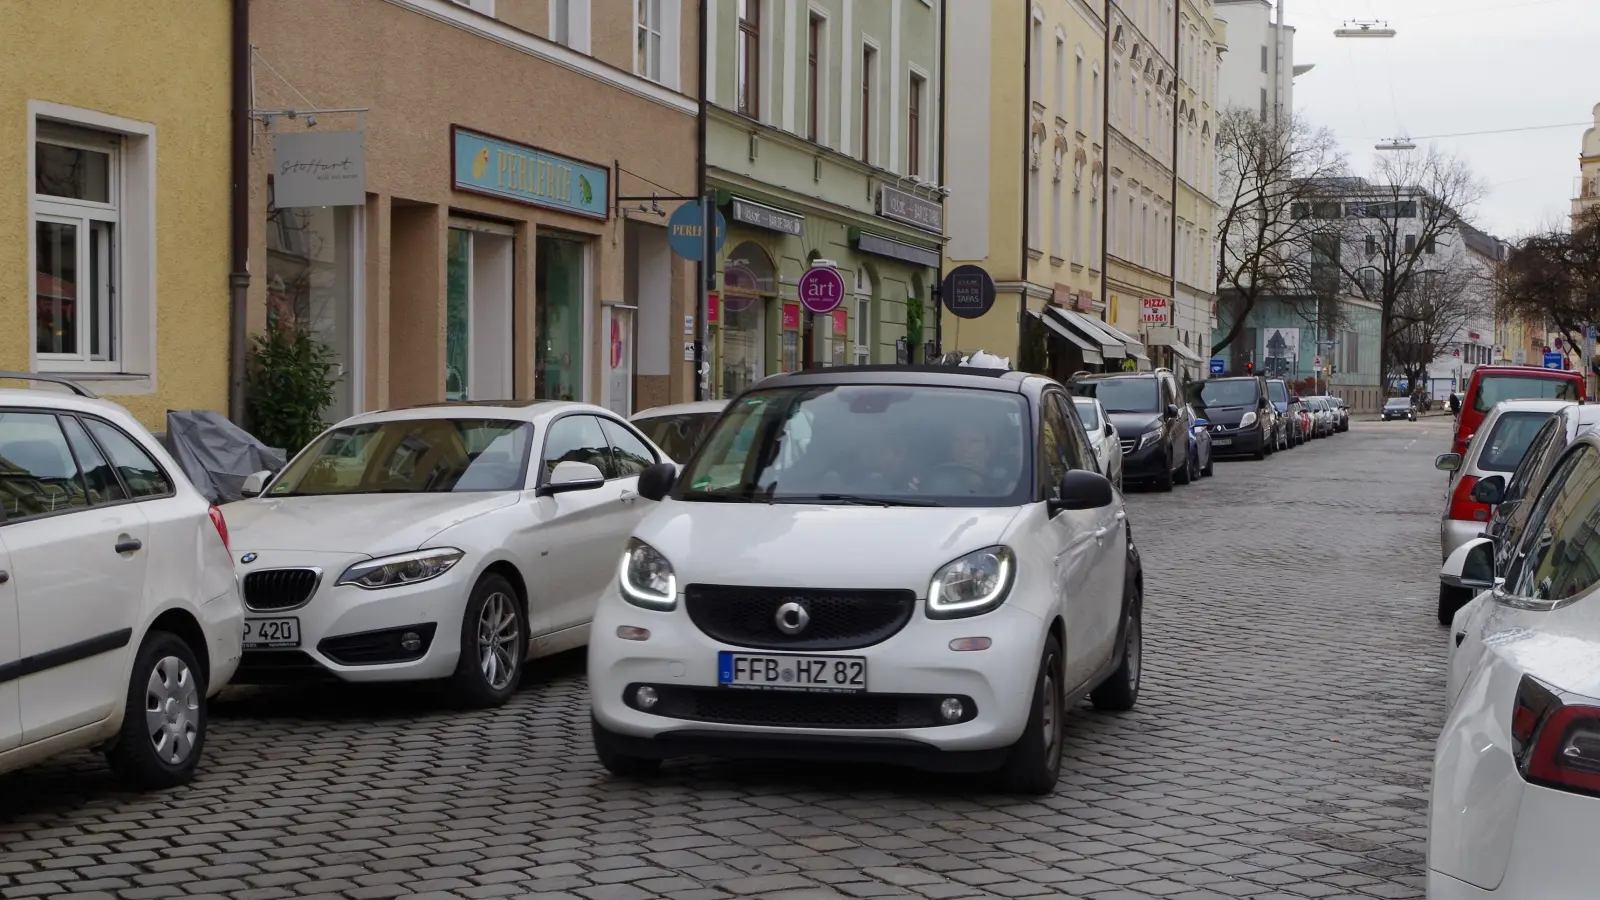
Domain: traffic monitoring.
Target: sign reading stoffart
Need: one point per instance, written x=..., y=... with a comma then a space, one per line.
x=498, y=168
x=318, y=168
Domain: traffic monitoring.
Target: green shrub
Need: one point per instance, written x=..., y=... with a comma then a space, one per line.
x=288, y=387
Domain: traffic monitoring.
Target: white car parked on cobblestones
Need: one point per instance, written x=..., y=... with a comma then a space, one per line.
x=452, y=541
x=119, y=614
x=1516, y=777
x=930, y=571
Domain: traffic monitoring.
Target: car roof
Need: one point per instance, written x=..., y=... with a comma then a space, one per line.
x=1549, y=406
x=699, y=407
x=1537, y=371
x=531, y=411
x=930, y=376
x=53, y=398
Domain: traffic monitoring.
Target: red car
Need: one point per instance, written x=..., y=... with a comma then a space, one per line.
x=1491, y=384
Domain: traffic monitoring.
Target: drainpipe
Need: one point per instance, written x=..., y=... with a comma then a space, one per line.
x=1105, y=154
x=1027, y=146
x=705, y=271
x=1177, y=94
x=944, y=105
x=239, y=252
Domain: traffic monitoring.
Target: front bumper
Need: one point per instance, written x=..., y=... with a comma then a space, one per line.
x=1148, y=464
x=357, y=635
x=1238, y=441
x=889, y=722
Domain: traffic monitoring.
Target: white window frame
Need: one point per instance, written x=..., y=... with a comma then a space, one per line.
x=917, y=73
x=824, y=62
x=874, y=135
x=1057, y=247
x=1095, y=104
x=577, y=36
x=1077, y=90
x=863, y=329
x=1061, y=74
x=649, y=30
x=132, y=260
x=484, y=6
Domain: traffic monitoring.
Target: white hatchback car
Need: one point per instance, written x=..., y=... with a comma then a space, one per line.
x=1102, y=437
x=452, y=541
x=1516, y=774
x=119, y=614
x=929, y=575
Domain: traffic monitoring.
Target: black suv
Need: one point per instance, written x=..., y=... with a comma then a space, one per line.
x=1144, y=409
x=1239, y=414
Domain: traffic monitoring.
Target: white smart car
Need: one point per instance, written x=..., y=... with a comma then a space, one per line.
x=447, y=542
x=930, y=575
x=119, y=614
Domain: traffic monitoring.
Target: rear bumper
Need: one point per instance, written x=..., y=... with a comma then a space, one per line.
x=867, y=750
x=1246, y=442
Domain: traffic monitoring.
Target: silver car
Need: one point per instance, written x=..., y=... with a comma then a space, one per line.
x=1103, y=436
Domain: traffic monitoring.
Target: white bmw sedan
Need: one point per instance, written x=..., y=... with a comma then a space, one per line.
x=449, y=542
x=1516, y=777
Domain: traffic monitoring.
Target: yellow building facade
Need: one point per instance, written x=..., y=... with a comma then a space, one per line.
x=114, y=180
x=1024, y=147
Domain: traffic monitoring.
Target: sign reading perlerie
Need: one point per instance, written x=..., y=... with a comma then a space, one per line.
x=968, y=292
x=1156, y=311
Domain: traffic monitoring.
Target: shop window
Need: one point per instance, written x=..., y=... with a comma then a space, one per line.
x=750, y=283
x=560, y=317
x=311, y=286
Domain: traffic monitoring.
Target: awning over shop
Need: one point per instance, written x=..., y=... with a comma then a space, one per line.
x=1168, y=337
x=1135, y=348
x=867, y=242
x=1091, y=352
x=1110, y=347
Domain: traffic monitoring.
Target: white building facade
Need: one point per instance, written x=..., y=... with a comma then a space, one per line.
x=1258, y=71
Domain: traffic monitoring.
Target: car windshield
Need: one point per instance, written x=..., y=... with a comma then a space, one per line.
x=1278, y=391
x=679, y=435
x=1087, y=412
x=1494, y=388
x=1122, y=395
x=1508, y=441
x=1222, y=394
x=411, y=456
x=1397, y=403
x=889, y=445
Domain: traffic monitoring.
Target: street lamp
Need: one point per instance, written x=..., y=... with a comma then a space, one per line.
x=1364, y=30
x=1396, y=144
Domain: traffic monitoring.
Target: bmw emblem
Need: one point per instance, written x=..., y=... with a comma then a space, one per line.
x=248, y=558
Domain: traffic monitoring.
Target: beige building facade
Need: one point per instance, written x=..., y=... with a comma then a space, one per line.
x=489, y=256
x=1202, y=41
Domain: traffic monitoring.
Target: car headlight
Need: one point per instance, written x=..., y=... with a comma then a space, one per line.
x=1149, y=437
x=1248, y=420
x=646, y=578
x=406, y=568
x=973, y=584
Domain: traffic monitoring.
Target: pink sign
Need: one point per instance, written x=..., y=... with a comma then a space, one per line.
x=841, y=321
x=791, y=315
x=821, y=289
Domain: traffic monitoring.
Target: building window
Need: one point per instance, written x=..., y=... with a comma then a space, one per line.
x=813, y=78
x=1116, y=96
x=1057, y=244
x=647, y=49
x=484, y=6
x=77, y=211
x=1034, y=200
x=1113, y=243
x=1263, y=104
x=914, y=127
x=1036, y=70
x=1144, y=235
x=1061, y=76
x=1094, y=231
x=1077, y=226
x=1094, y=100
x=569, y=24
x=1263, y=57
x=749, y=62
x=869, y=59
x=1077, y=92
x=863, y=317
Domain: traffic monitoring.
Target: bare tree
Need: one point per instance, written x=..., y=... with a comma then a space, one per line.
x=1269, y=169
x=1432, y=312
x=1406, y=219
x=1553, y=276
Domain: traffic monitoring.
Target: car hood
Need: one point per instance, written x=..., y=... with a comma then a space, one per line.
x=1133, y=424
x=1229, y=416
x=794, y=545
x=374, y=524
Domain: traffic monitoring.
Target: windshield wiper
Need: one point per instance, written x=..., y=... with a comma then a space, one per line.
x=716, y=497
x=850, y=500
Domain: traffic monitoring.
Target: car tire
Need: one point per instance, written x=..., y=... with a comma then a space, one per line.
x=1164, y=480
x=164, y=718
x=494, y=636
x=1451, y=599
x=615, y=761
x=1033, y=766
x=1211, y=466
x=1261, y=451
x=1120, y=691
x=1186, y=471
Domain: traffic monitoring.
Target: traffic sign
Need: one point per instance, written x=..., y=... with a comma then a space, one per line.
x=1316, y=362
x=1553, y=360
x=1217, y=366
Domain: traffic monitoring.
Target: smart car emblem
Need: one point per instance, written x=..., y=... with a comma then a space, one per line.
x=792, y=618
x=248, y=558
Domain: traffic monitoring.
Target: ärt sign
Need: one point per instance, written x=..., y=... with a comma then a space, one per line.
x=821, y=290
x=1156, y=311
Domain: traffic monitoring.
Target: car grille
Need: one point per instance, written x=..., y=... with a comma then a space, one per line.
x=792, y=709
x=838, y=620
x=1128, y=445
x=1218, y=429
x=275, y=590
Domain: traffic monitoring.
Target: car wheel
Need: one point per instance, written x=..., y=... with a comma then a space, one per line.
x=1034, y=764
x=1164, y=480
x=1261, y=451
x=164, y=721
x=1211, y=465
x=615, y=761
x=1451, y=599
x=1120, y=691
x=493, y=645
x=1186, y=471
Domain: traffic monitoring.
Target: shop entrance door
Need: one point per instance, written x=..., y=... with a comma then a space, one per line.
x=314, y=283
x=617, y=387
x=478, y=324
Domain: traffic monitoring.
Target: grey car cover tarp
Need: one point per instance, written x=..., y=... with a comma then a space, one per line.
x=216, y=454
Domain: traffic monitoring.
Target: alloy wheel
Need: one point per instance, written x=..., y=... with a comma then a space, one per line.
x=1133, y=651
x=172, y=710
x=498, y=638
x=1047, y=712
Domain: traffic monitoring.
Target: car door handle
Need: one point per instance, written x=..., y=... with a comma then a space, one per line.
x=129, y=545
x=1100, y=533
x=629, y=496
x=1121, y=514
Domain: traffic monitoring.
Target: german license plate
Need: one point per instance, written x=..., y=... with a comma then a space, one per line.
x=1221, y=442
x=823, y=674
x=271, y=634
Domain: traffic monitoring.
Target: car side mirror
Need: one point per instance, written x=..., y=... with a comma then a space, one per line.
x=1082, y=489
x=1294, y=398
x=1262, y=403
x=1172, y=411
x=1490, y=490
x=255, y=483
x=1111, y=430
x=1447, y=462
x=570, y=476
x=1471, y=566
x=657, y=480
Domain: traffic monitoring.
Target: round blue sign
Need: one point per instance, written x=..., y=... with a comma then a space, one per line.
x=686, y=231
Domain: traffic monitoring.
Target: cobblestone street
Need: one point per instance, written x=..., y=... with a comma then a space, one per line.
x=1281, y=749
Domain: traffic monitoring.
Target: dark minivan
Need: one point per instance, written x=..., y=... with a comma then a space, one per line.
x=1243, y=421
x=1153, y=429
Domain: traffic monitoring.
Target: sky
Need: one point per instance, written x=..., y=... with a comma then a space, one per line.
x=1459, y=66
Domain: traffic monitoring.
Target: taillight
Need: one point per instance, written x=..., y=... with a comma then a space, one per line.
x=1463, y=507
x=222, y=527
x=1554, y=744
x=1461, y=444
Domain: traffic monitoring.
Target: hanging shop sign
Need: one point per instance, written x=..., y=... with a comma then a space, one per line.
x=686, y=231
x=968, y=292
x=494, y=167
x=1156, y=311
x=766, y=217
x=318, y=168
x=1085, y=301
x=821, y=289
x=906, y=207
